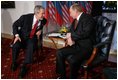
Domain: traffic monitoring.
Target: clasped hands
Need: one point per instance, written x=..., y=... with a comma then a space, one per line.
x=69, y=40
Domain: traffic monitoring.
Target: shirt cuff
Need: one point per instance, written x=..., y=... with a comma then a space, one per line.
x=16, y=35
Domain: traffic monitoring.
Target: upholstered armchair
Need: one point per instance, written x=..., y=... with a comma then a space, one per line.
x=104, y=34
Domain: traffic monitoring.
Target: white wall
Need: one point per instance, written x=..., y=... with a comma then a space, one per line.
x=8, y=16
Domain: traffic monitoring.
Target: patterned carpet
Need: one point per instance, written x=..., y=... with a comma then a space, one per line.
x=42, y=68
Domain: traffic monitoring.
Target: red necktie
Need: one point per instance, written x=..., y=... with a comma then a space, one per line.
x=34, y=29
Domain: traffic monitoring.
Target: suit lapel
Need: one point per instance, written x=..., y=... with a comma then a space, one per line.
x=31, y=20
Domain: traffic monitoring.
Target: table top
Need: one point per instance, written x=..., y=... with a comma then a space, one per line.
x=57, y=36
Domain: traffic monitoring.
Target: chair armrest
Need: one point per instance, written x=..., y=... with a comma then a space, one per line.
x=95, y=52
x=102, y=44
x=91, y=58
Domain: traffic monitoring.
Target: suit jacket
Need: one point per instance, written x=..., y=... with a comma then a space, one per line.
x=23, y=25
x=84, y=34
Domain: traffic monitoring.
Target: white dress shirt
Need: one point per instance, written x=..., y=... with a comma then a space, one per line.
x=34, y=21
x=79, y=16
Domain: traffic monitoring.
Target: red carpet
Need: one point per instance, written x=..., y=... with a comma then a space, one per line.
x=43, y=68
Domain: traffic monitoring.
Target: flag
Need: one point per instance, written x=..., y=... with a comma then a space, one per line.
x=45, y=5
x=52, y=13
x=65, y=12
x=58, y=11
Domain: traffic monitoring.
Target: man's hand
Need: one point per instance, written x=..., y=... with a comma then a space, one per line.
x=69, y=40
x=68, y=35
x=16, y=39
x=38, y=33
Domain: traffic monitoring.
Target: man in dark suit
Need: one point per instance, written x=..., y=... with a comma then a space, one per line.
x=80, y=42
x=26, y=31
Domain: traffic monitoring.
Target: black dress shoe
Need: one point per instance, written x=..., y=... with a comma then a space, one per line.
x=14, y=66
x=23, y=72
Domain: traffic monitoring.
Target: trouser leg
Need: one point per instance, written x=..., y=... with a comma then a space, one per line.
x=30, y=48
x=15, y=51
x=62, y=54
x=74, y=67
x=60, y=64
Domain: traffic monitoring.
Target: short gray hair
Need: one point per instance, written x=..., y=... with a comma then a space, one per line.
x=37, y=8
x=77, y=7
